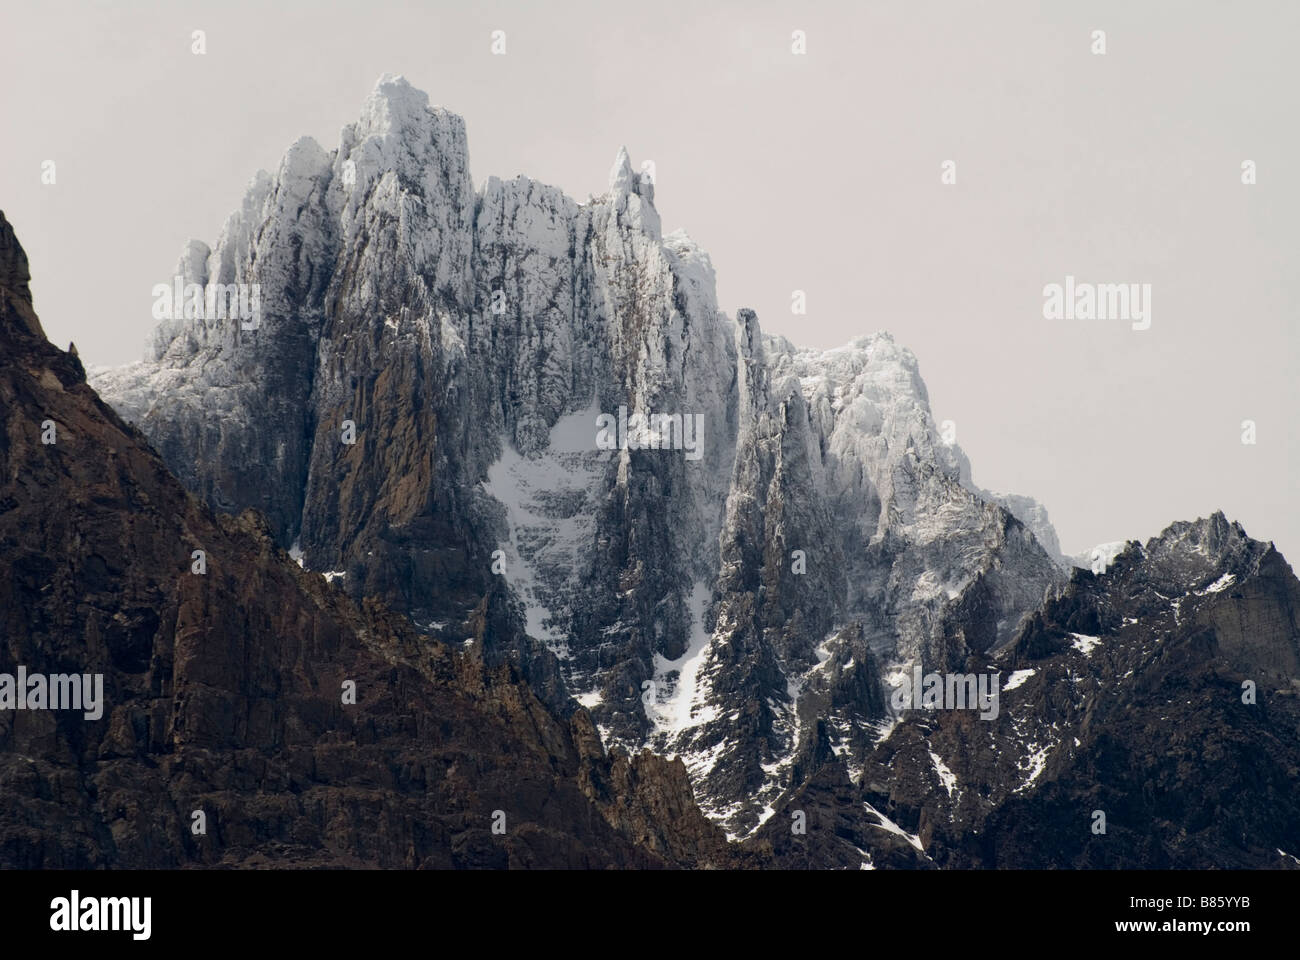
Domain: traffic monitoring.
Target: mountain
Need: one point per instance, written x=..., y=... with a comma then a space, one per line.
x=1164, y=692
x=805, y=529
x=518, y=427
x=225, y=679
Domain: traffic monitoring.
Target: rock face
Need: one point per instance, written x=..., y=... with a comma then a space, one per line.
x=561, y=501
x=1034, y=516
x=1161, y=695
x=521, y=423
x=224, y=690
x=729, y=592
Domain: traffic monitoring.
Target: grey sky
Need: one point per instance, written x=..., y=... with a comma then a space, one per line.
x=818, y=172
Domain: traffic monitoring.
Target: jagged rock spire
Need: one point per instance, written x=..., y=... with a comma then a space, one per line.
x=621, y=176
x=15, y=278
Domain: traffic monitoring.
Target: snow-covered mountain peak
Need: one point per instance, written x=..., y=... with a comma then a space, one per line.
x=392, y=106
x=794, y=509
x=401, y=146
x=621, y=176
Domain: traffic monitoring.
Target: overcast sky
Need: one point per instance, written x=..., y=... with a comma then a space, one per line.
x=818, y=172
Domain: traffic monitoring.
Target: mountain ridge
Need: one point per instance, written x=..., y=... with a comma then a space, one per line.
x=459, y=328
x=743, y=613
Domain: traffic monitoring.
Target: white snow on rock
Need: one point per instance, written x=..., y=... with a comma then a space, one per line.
x=683, y=705
x=1016, y=678
x=946, y=776
x=1034, y=764
x=1223, y=583
x=1084, y=644
x=601, y=308
x=889, y=825
x=550, y=500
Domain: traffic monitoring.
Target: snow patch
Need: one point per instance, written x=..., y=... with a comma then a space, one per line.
x=1017, y=678
x=549, y=539
x=1225, y=581
x=682, y=708
x=890, y=826
x=1084, y=644
x=1033, y=765
x=946, y=776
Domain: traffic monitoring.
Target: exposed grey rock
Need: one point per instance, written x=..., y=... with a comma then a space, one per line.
x=1124, y=693
x=472, y=339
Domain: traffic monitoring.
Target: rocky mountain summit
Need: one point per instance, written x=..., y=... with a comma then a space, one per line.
x=819, y=529
x=521, y=424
